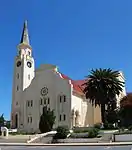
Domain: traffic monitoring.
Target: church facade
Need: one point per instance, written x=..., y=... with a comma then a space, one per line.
x=47, y=86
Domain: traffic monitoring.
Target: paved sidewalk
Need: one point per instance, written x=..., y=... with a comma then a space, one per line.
x=68, y=148
x=68, y=144
x=14, y=139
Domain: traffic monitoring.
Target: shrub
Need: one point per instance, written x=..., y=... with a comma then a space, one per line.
x=109, y=126
x=97, y=125
x=89, y=133
x=122, y=129
x=81, y=131
x=62, y=132
x=93, y=132
x=130, y=128
x=79, y=135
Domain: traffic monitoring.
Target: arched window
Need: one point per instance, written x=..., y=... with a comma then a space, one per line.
x=29, y=53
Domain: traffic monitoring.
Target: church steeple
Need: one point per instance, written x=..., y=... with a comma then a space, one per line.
x=24, y=43
x=25, y=37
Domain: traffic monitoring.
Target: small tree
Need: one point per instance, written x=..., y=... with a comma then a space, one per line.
x=93, y=132
x=47, y=120
x=2, y=120
x=8, y=125
x=62, y=132
x=125, y=112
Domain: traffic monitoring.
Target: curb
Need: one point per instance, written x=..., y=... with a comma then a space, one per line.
x=40, y=136
x=68, y=144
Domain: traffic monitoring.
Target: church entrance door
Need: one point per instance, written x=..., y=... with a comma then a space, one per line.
x=16, y=121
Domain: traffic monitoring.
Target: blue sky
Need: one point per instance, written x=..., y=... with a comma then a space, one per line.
x=76, y=35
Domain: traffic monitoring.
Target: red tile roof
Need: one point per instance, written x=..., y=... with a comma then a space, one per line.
x=77, y=84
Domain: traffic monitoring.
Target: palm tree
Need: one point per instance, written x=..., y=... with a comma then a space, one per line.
x=101, y=87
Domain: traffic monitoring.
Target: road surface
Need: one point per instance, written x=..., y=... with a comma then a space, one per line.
x=65, y=148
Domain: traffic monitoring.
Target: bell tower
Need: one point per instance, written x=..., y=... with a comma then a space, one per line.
x=23, y=75
x=25, y=58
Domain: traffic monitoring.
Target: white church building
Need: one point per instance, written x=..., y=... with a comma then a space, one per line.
x=46, y=86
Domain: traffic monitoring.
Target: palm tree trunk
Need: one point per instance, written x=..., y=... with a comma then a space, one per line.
x=103, y=112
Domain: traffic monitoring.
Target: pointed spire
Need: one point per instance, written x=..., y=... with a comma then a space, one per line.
x=25, y=37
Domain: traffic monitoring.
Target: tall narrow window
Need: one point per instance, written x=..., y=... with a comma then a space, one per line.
x=41, y=101
x=17, y=87
x=60, y=117
x=31, y=103
x=64, y=117
x=28, y=53
x=45, y=101
x=17, y=75
x=60, y=98
x=64, y=98
x=30, y=119
x=28, y=103
x=29, y=77
x=48, y=100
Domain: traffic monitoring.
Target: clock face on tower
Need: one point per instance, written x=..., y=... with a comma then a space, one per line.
x=29, y=64
x=18, y=63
